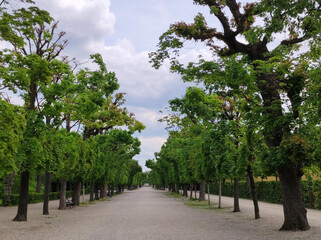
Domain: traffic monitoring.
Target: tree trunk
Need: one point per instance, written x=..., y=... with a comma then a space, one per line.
x=104, y=191
x=208, y=194
x=247, y=186
x=76, y=193
x=195, y=190
x=23, y=197
x=202, y=191
x=92, y=191
x=191, y=196
x=101, y=193
x=185, y=190
x=62, y=194
x=219, y=193
x=45, y=209
x=253, y=191
x=173, y=188
x=39, y=183
x=96, y=192
x=8, y=188
x=236, y=196
x=295, y=214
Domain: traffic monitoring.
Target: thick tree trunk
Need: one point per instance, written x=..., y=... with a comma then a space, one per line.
x=62, y=195
x=104, y=190
x=45, y=209
x=295, y=214
x=92, y=191
x=236, y=196
x=39, y=183
x=23, y=197
x=76, y=193
x=253, y=191
x=185, y=190
x=8, y=188
x=101, y=193
x=219, y=193
x=202, y=191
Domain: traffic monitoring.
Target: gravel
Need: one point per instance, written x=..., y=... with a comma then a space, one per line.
x=150, y=214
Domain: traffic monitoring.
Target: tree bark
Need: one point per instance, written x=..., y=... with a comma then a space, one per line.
x=173, y=188
x=191, y=196
x=8, y=187
x=39, y=183
x=23, y=197
x=253, y=191
x=96, y=192
x=45, y=209
x=293, y=207
x=62, y=194
x=101, y=193
x=202, y=191
x=236, y=196
x=208, y=194
x=219, y=192
x=185, y=190
x=76, y=193
x=92, y=190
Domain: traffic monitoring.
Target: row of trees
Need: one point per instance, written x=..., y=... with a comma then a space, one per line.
x=59, y=99
x=259, y=99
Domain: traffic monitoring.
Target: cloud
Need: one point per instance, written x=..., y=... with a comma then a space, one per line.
x=149, y=146
x=86, y=22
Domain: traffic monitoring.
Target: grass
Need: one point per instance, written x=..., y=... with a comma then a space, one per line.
x=195, y=203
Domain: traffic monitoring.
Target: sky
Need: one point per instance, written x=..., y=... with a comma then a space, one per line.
x=124, y=32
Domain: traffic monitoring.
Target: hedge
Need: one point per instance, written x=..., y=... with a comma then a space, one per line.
x=33, y=197
x=270, y=191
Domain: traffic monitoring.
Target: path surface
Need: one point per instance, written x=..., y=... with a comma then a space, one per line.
x=150, y=214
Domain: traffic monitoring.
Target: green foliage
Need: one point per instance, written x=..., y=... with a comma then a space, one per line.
x=34, y=197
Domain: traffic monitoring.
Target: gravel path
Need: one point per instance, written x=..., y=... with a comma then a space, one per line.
x=150, y=214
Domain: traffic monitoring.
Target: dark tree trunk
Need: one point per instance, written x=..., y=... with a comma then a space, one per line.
x=191, y=196
x=23, y=197
x=8, y=188
x=236, y=196
x=253, y=191
x=102, y=192
x=96, y=192
x=219, y=193
x=76, y=193
x=45, y=209
x=208, y=194
x=39, y=183
x=173, y=188
x=247, y=186
x=202, y=191
x=92, y=191
x=112, y=190
x=62, y=195
x=185, y=190
x=295, y=214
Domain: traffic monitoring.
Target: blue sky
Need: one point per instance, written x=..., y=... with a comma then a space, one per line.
x=124, y=32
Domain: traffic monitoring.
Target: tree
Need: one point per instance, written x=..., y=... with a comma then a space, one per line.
x=28, y=65
x=301, y=23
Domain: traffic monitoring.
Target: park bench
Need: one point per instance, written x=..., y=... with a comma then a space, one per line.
x=69, y=203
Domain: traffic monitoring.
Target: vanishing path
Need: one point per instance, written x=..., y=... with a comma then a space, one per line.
x=147, y=214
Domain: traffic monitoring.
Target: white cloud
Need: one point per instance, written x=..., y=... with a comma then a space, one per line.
x=86, y=22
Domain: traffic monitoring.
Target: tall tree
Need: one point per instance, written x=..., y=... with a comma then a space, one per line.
x=249, y=31
x=29, y=64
